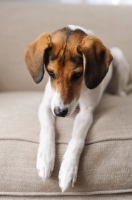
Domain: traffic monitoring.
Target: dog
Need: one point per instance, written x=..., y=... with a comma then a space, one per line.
x=80, y=70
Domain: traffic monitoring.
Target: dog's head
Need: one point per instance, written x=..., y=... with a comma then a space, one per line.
x=70, y=57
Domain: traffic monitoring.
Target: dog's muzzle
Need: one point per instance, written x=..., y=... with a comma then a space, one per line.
x=60, y=112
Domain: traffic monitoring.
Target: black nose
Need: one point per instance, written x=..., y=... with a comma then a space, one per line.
x=60, y=112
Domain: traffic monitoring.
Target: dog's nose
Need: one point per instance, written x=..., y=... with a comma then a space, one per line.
x=60, y=112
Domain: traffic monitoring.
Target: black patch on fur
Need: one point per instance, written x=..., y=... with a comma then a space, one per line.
x=77, y=60
x=68, y=32
x=47, y=56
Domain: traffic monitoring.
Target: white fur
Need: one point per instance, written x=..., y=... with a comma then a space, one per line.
x=46, y=151
x=73, y=27
x=88, y=101
x=57, y=102
x=121, y=72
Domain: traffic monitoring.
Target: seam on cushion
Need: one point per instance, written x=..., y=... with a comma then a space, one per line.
x=99, y=141
x=19, y=139
x=59, y=142
x=26, y=194
x=107, y=140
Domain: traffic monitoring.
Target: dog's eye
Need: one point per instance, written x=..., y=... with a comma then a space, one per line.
x=76, y=75
x=52, y=74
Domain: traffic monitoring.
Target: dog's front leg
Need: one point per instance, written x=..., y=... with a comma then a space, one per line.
x=69, y=166
x=46, y=151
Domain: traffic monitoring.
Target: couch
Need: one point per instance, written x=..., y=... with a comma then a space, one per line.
x=105, y=170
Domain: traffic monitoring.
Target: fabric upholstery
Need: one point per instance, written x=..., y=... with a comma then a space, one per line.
x=106, y=162
x=112, y=120
x=70, y=197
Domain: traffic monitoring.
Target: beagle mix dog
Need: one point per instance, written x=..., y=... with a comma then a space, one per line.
x=80, y=68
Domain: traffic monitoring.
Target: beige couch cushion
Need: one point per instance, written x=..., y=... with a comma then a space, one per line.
x=69, y=197
x=106, y=162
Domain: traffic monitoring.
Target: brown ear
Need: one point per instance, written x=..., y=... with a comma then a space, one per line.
x=34, y=56
x=97, y=59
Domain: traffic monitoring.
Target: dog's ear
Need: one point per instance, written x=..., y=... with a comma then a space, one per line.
x=34, y=56
x=97, y=59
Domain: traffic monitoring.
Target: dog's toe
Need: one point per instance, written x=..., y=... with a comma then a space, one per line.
x=45, y=162
x=68, y=173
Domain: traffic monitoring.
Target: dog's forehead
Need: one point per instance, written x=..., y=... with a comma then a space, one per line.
x=67, y=37
x=64, y=46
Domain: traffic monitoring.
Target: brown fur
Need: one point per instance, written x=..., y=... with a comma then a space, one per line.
x=34, y=53
x=63, y=67
x=64, y=58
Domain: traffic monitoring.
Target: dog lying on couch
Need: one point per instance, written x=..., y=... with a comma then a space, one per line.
x=80, y=68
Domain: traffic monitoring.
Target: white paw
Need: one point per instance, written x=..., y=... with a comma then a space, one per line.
x=68, y=173
x=45, y=159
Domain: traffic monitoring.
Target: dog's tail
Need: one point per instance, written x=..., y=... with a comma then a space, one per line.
x=128, y=88
x=121, y=74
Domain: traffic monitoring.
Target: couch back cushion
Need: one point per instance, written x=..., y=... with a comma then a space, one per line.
x=22, y=22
